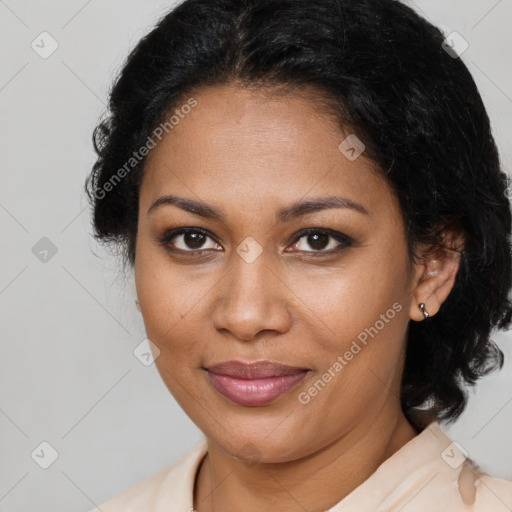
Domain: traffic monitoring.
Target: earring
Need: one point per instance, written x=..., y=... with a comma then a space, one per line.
x=423, y=310
x=137, y=305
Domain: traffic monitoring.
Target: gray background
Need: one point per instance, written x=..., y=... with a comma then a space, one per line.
x=69, y=325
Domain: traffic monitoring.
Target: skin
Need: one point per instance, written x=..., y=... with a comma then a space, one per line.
x=250, y=153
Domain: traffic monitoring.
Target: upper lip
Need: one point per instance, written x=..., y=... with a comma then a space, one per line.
x=254, y=370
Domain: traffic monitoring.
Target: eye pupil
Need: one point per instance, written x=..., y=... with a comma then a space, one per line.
x=318, y=241
x=194, y=240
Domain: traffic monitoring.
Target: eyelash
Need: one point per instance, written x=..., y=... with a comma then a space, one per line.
x=344, y=240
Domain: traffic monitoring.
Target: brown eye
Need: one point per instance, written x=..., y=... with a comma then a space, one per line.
x=321, y=241
x=318, y=241
x=194, y=240
x=187, y=240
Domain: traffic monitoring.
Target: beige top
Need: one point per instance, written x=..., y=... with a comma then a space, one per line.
x=429, y=473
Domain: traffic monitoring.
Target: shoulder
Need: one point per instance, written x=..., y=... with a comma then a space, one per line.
x=461, y=482
x=171, y=485
x=492, y=493
x=457, y=478
x=430, y=472
x=462, y=488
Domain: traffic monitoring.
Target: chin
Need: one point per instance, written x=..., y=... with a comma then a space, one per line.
x=266, y=440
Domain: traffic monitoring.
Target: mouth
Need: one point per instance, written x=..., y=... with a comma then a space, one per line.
x=254, y=384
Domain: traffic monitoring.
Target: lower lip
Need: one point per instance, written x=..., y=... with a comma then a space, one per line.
x=254, y=392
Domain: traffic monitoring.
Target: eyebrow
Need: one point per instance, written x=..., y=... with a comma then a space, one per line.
x=283, y=215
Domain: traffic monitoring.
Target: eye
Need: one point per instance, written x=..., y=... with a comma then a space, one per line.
x=323, y=241
x=187, y=240
x=195, y=240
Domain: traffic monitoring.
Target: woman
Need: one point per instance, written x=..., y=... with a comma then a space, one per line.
x=312, y=202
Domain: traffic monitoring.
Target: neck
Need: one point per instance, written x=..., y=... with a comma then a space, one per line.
x=314, y=483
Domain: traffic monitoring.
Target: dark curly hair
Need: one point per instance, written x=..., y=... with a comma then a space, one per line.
x=417, y=109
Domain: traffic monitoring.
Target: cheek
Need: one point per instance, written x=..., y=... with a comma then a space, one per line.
x=362, y=315
x=167, y=295
x=172, y=301
x=344, y=302
x=168, y=304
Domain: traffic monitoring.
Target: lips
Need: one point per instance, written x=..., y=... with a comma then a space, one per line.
x=254, y=384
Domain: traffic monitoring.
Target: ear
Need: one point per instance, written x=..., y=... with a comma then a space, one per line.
x=435, y=276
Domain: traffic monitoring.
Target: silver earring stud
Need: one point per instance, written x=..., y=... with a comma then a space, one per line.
x=423, y=310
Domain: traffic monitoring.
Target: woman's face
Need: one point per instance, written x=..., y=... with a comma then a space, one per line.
x=249, y=285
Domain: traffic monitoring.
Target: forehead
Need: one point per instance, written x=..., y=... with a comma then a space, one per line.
x=244, y=145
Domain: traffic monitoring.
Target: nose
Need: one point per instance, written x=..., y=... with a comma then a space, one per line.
x=251, y=300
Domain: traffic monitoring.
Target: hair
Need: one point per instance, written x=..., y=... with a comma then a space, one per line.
x=385, y=74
